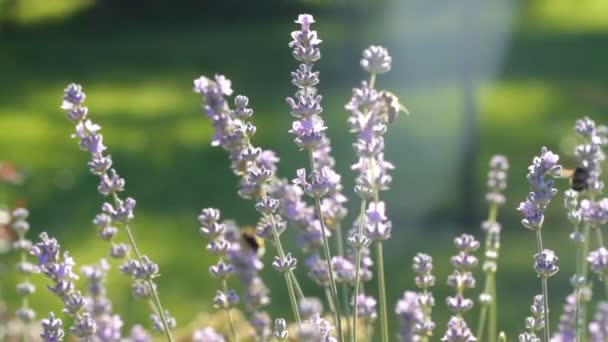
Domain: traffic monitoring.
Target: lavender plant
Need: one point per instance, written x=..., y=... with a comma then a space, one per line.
x=497, y=183
x=141, y=269
x=282, y=205
x=541, y=173
x=24, y=288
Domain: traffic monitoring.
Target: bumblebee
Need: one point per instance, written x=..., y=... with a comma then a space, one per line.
x=252, y=241
x=579, y=178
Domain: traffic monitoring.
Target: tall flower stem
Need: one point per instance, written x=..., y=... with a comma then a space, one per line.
x=228, y=314
x=543, y=279
x=327, y=254
x=345, y=299
x=149, y=282
x=489, y=288
x=382, y=292
x=289, y=276
x=584, y=271
x=353, y=336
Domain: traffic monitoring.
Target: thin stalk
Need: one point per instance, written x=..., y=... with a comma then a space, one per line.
x=483, y=313
x=353, y=336
x=327, y=252
x=577, y=293
x=585, y=273
x=288, y=278
x=345, y=301
x=228, y=314
x=155, y=298
x=332, y=284
x=382, y=292
x=24, y=299
x=493, y=310
x=539, y=245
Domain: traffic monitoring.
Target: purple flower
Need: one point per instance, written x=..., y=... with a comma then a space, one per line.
x=286, y=264
x=497, y=180
x=344, y=269
x=410, y=314
x=598, y=260
x=546, y=263
x=122, y=212
x=139, y=334
x=377, y=224
x=207, y=335
x=598, y=328
x=594, y=213
x=157, y=323
x=280, y=329
x=366, y=307
x=376, y=60
x=458, y=331
x=108, y=328
x=51, y=329
x=309, y=306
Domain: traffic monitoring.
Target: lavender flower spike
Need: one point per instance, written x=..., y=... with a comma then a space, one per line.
x=541, y=176
x=309, y=134
x=51, y=329
x=111, y=184
x=59, y=269
x=23, y=246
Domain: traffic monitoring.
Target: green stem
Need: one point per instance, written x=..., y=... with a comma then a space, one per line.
x=493, y=309
x=382, y=292
x=332, y=281
x=344, y=286
x=482, y=321
x=585, y=273
x=150, y=282
x=543, y=279
x=288, y=277
x=353, y=336
x=228, y=314
x=327, y=252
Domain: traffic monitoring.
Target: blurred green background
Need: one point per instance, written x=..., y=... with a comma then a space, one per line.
x=480, y=77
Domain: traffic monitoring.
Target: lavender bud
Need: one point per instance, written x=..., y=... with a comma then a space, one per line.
x=108, y=233
x=376, y=60
x=84, y=326
x=598, y=261
x=463, y=261
x=458, y=331
x=51, y=329
x=528, y=337
x=119, y=250
x=73, y=302
x=20, y=214
x=157, y=323
x=219, y=246
x=99, y=164
x=26, y=315
x=280, y=329
x=357, y=241
x=241, y=111
x=546, y=263
x=25, y=289
x=286, y=264
x=221, y=270
x=366, y=307
x=141, y=290
x=310, y=306
x=110, y=184
x=265, y=226
x=267, y=205
x=466, y=243
x=22, y=245
x=458, y=304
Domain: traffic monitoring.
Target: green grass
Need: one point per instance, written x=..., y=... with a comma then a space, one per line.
x=138, y=80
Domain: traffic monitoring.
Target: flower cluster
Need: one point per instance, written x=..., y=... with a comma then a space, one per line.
x=497, y=180
x=541, y=188
x=52, y=329
x=535, y=322
x=458, y=331
x=109, y=325
x=218, y=245
x=422, y=266
x=462, y=277
x=23, y=246
x=119, y=212
x=59, y=269
x=316, y=329
x=566, y=330
x=207, y=335
x=590, y=153
x=598, y=328
x=410, y=313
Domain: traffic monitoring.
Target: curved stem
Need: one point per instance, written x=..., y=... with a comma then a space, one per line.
x=228, y=314
x=353, y=336
x=543, y=280
x=382, y=292
x=289, y=275
x=332, y=284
